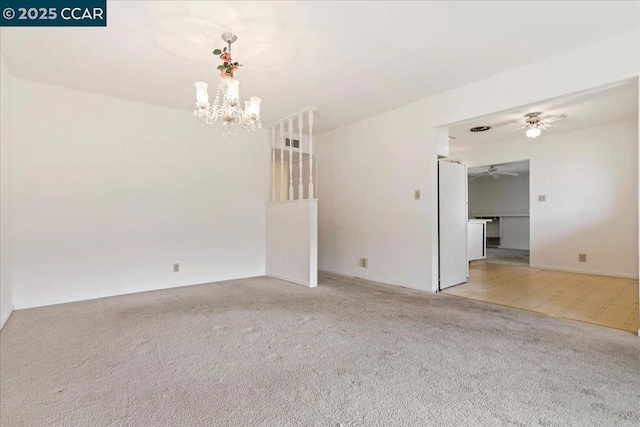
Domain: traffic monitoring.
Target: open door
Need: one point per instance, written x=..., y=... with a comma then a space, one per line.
x=452, y=223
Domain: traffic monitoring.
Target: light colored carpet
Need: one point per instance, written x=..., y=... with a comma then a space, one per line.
x=265, y=352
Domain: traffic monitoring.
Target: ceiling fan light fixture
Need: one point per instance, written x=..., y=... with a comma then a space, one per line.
x=533, y=132
x=534, y=124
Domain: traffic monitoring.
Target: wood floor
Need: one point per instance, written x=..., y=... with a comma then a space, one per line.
x=605, y=301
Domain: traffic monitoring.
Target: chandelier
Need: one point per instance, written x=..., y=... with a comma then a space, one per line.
x=226, y=107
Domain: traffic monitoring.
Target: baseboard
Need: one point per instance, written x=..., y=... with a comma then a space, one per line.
x=122, y=291
x=341, y=277
x=4, y=319
x=574, y=270
x=292, y=280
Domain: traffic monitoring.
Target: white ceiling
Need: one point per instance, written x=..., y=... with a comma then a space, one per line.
x=351, y=59
x=514, y=167
x=598, y=108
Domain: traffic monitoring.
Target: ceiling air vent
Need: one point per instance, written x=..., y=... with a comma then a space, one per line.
x=296, y=143
x=480, y=129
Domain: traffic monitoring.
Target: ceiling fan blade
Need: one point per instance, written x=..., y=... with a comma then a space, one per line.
x=546, y=126
x=478, y=176
x=495, y=175
x=509, y=173
x=554, y=118
x=521, y=127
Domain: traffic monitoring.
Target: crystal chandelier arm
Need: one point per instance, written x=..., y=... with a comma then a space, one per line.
x=215, y=109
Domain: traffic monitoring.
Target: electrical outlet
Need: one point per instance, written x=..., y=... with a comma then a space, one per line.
x=416, y=195
x=542, y=198
x=582, y=257
x=364, y=262
x=176, y=268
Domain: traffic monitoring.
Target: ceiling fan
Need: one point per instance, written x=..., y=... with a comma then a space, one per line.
x=534, y=124
x=494, y=173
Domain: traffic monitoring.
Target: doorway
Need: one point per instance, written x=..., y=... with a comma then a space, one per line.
x=582, y=204
x=499, y=196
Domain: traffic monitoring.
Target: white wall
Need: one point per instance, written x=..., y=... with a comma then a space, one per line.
x=590, y=180
x=506, y=195
x=6, y=265
x=368, y=170
x=292, y=241
x=367, y=174
x=109, y=193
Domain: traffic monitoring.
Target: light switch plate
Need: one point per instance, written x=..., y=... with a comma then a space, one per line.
x=416, y=195
x=582, y=257
x=542, y=198
x=364, y=262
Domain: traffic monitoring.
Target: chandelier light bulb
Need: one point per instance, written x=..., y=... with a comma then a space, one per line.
x=202, y=96
x=233, y=92
x=533, y=132
x=254, y=107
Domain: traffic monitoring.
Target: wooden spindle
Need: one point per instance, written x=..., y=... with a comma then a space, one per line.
x=300, y=187
x=311, y=189
x=290, y=159
x=281, y=193
x=273, y=164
